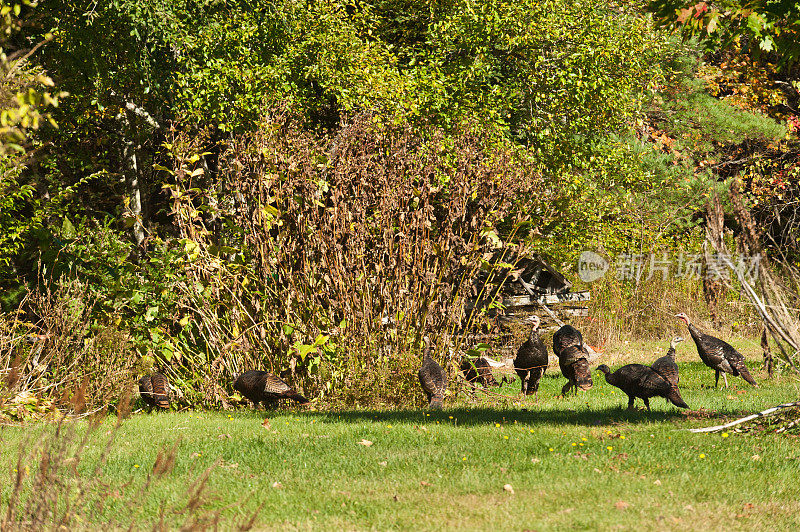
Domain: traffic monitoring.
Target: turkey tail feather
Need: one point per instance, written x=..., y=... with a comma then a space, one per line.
x=297, y=397
x=745, y=373
x=160, y=390
x=674, y=397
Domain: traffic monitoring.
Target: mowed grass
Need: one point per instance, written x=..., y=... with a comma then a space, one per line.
x=573, y=463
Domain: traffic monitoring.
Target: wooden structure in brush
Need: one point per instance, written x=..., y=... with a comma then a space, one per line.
x=512, y=288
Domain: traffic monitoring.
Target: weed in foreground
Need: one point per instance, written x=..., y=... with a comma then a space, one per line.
x=58, y=483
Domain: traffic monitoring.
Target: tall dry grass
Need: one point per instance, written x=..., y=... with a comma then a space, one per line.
x=58, y=483
x=621, y=310
x=342, y=252
x=54, y=355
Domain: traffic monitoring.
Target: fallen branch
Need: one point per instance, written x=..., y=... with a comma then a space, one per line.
x=765, y=413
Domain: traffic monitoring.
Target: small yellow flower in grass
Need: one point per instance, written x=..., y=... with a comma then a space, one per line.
x=724, y=434
x=574, y=444
x=428, y=415
x=584, y=439
x=610, y=448
x=550, y=449
x=464, y=458
x=580, y=444
x=506, y=437
x=702, y=455
x=531, y=431
x=135, y=465
x=451, y=417
x=497, y=424
x=621, y=436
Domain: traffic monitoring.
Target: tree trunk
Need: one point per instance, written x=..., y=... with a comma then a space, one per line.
x=712, y=279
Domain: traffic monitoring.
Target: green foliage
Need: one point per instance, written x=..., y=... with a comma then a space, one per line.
x=763, y=25
x=301, y=172
x=13, y=223
x=702, y=123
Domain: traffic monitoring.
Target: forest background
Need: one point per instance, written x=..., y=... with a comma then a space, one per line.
x=208, y=186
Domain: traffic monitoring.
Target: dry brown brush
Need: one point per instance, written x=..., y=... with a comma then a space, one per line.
x=327, y=259
x=54, y=356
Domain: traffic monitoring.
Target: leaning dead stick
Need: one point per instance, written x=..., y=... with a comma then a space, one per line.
x=765, y=413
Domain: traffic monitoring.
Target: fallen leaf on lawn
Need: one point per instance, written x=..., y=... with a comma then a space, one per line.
x=396, y=498
x=657, y=482
x=597, y=470
x=223, y=436
x=731, y=397
x=365, y=443
x=277, y=485
x=755, y=458
x=535, y=460
x=194, y=455
x=424, y=483
x=265, y=423
x=382, y=464
x=621, y=505
x=509, y=489
x=749, y=506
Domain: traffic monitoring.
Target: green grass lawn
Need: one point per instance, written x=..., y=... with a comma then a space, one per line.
x=577, y=463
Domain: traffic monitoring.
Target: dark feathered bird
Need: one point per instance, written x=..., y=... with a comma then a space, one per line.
x=264, y=387
x=718, y=355
x=666, y=365
x=154, y=390
x=478, y=370
x=531, y=360
x=566, y=336
x=638, y=380
x=573, y=359
x=432, y=378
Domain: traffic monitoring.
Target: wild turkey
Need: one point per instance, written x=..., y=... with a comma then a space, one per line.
x=478, y=370
x=718, y=355
x=638, y=380
x=154, y=390
x=264, y=387
x=531, y=360
x=572, y=358
x=666, y=365
x=432, y=378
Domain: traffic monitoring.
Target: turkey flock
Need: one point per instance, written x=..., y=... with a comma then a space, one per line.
x=660, y=379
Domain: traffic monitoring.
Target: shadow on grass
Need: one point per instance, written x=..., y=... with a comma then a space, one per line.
x=475, y=416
